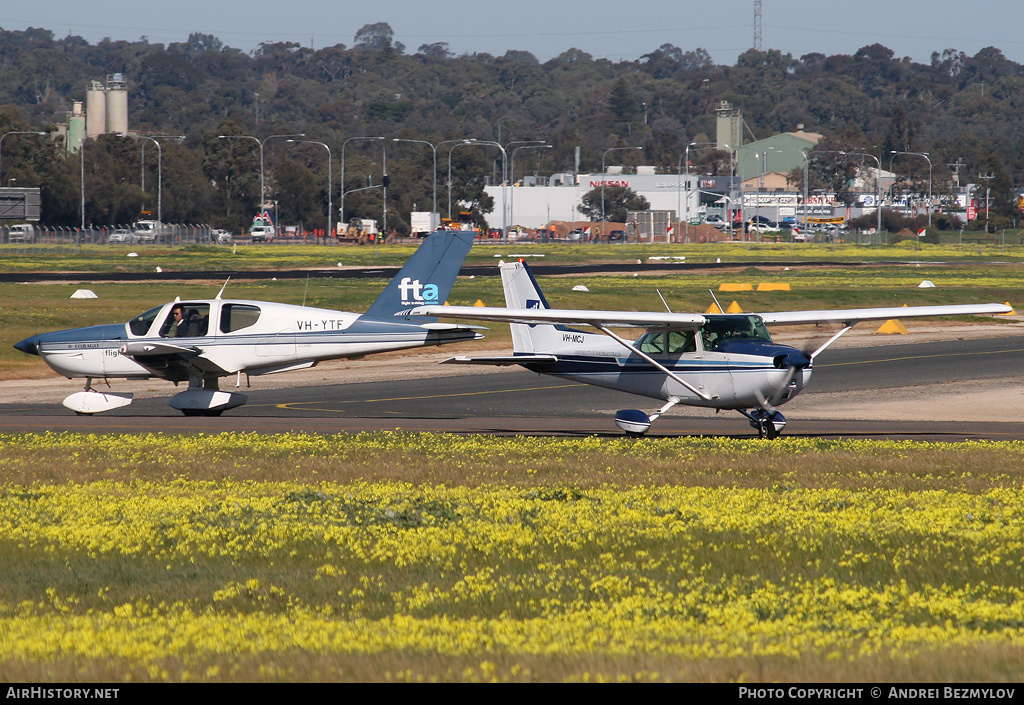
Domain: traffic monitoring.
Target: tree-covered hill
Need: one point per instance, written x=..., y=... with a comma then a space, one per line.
x=958, y=108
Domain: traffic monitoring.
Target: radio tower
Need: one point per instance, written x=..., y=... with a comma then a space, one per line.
x=757, y=25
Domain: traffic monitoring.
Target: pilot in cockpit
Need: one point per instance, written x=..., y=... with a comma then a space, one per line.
x=176, y=326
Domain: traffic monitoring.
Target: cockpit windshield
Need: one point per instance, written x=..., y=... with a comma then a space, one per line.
x=141, y=324
x=723, y=329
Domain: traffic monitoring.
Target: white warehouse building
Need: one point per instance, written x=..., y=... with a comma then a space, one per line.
x=534, y=206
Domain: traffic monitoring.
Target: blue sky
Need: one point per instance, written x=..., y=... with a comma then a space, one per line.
x=612, y=30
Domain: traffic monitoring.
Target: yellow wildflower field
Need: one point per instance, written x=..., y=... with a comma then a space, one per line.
x=433, y=557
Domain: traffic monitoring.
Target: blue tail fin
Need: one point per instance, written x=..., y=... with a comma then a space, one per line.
x=428, y=276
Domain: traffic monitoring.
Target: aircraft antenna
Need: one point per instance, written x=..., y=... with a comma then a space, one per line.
x=221, y=292
x=715, y=299
x=663, y=300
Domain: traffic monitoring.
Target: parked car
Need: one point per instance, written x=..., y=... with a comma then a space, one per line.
x=762, y=224
x=617, y=236
x=121, y=235
x=221, y=237
x=24, y=232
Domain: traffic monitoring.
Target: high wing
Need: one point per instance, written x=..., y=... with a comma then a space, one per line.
x=850, y=316
x=569, y=317
x=692, y=321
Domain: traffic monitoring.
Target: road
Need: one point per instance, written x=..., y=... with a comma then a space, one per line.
x=948, y=390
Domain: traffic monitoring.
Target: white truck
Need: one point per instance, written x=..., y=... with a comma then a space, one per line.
x=146, y=231
x=422, y=223
x=23, y=232
x=262, y=233
x=262, y=229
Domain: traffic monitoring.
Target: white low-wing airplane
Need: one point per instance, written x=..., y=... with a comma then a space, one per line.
x=718, y=361
x=201, y=340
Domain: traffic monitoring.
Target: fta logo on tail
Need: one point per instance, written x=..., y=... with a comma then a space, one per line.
x=413, y=293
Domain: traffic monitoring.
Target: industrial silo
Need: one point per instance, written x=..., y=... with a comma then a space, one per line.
x=117, y=104
x=76, y=127
x=95, y=110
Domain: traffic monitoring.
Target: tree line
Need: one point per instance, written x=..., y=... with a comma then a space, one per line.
x=962, y=110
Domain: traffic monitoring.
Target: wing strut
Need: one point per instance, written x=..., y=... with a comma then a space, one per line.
x=831, y=340
x=654, y=362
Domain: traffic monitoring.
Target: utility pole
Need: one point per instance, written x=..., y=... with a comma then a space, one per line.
x=955, y=168
x=987, y=178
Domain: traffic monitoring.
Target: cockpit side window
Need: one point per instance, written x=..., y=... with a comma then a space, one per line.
x=186, y=320
x=238, y=316
x=651, y=342
x=141, y=324
x=673, y=342
x=682, y=341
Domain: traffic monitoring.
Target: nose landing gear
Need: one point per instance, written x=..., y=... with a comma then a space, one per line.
x=769, y=424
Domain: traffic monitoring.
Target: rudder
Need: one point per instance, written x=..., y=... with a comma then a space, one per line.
x=428, y=276
x=522, y=291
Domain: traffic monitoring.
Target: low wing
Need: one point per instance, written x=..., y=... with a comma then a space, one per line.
x=854, y=315
x=569, y=317
x=170, y=360
x=152, y=349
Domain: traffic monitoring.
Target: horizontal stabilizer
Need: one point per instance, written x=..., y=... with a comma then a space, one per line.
x=449, y=326
x=500, y=361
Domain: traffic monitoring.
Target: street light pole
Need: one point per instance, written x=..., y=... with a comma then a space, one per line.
x=260, y=143
x=457, y=143
x=341, y=211
x=159, y=182
x=603, y=179
x=925, y=155
x=504, y=171
x=159, y=175
x=434, y=149
x=512, y=174
x=878, y=188
x=330, y=181
x=679, y=170
x=806, y=167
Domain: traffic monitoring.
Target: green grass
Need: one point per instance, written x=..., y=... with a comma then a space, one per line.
x=92, y=258
x=47, y=306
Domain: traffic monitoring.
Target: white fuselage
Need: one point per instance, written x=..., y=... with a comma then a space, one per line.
x=229, y=336
x=731, y=380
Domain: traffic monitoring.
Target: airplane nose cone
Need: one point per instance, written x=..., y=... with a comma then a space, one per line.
x=28, y=345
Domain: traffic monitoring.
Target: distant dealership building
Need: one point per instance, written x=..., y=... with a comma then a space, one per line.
x=540, y=200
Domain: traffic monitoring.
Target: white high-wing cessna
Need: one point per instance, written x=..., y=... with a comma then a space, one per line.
x=202, y=340
x=718, y=361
